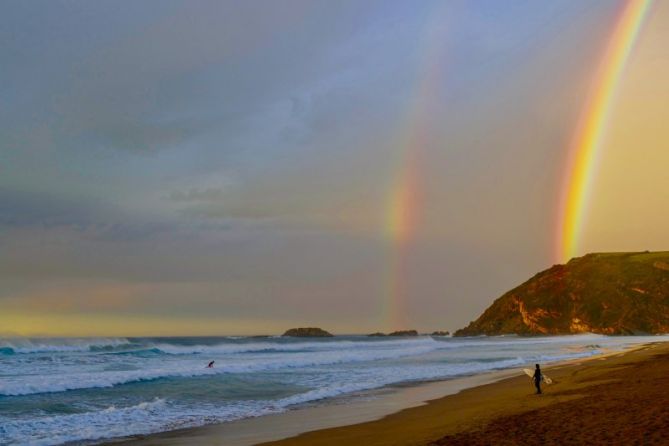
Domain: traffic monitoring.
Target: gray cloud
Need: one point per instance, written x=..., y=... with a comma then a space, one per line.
x=22, y=208
x=208, y=194
x=241, y=156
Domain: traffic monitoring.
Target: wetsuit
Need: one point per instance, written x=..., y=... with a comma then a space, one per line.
x=537, y=379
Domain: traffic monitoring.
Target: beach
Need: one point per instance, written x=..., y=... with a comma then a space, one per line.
x=613, y=398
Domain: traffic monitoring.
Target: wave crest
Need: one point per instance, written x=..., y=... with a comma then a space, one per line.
x=9, y=346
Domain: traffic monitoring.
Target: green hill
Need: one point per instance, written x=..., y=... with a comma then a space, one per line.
x=607, y=293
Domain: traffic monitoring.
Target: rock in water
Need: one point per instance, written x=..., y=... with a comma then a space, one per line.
x=606, y=293
x=378, y=334
x=440, y=333
x=307, y=332
x=404, y=333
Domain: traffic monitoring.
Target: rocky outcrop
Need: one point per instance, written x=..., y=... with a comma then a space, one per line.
x=606, y=293
x=307, y=332
x=394, y=333
x=440, y=333
x=404, y=333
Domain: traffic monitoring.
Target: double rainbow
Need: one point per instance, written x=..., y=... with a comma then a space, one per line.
x=586, y=147
x=582, y=160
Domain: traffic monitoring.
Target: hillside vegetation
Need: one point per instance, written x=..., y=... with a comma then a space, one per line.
x=607, y=293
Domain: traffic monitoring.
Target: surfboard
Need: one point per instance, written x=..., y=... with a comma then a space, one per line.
x=530, y=373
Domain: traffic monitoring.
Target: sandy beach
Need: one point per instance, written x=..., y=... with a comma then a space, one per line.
x=610, y=399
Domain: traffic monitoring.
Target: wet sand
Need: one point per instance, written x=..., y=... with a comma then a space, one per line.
x=613, y=399
x=620, y=403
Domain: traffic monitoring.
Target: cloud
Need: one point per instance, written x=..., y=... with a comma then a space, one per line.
x=21, y=208
x=40, y=211
x=135, y=133
x=249, y=148
x=208, y=194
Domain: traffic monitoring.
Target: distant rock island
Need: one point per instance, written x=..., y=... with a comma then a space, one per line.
x=440, y=333
x=404, y=333
x=307, y=332
x=396, y=333
x=605, y=293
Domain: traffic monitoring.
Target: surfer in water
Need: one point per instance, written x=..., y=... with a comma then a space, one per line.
x=211, y=365
x=537, y=378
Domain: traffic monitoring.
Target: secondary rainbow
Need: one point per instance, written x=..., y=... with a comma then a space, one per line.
x=403, y=210
x=586, y=145
x=404, y=206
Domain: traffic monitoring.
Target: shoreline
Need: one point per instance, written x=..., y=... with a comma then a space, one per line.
x=340, y=411
x=362, y=409
x=507, y=412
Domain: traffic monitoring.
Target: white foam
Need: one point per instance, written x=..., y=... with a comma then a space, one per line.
x=343, y=352
x=326, y=368
x=159, y=415
x=50, y=345
x=251, y=347
x=69, y=379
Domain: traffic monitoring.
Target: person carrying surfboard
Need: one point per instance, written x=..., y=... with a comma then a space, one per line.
x=537, y=378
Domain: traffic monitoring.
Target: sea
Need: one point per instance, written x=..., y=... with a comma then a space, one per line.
x=87, y=390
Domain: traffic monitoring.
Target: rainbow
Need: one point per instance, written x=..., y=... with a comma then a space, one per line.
x=403, y=213
x=404, y=206
x=585, y=150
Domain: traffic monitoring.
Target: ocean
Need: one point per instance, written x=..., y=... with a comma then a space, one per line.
x=59, y=390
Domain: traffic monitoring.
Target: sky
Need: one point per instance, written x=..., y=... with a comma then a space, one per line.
x=222, y=167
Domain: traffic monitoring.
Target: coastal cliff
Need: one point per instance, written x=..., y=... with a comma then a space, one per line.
x=606, y=293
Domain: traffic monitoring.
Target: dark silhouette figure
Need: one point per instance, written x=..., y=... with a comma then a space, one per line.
x=537, y=378
x=211, y=365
